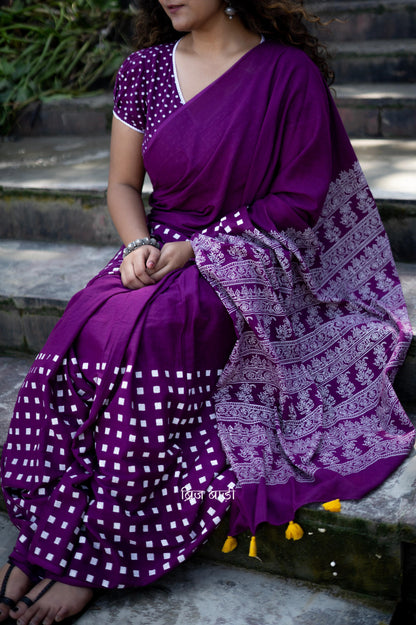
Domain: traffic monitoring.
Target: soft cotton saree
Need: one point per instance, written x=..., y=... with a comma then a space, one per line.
x=258, y=377
x=305, y=407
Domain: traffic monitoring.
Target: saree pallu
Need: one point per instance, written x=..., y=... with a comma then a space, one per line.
x=258, y=377
x=305, y=407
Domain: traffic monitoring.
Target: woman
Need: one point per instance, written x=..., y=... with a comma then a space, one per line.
x=239, y=350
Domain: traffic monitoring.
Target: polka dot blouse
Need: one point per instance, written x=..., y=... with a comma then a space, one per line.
x=147, y=89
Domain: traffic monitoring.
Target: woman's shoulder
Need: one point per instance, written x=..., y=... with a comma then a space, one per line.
x=290, y=64
x=146, y=57
x=292, y=55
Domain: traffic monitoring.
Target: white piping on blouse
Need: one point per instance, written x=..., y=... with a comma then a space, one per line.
x=175, y=73
x=127, y=124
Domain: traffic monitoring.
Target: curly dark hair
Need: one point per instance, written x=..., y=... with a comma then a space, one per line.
x=281, y=20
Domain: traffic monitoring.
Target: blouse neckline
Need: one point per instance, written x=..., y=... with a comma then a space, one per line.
x=175, y=72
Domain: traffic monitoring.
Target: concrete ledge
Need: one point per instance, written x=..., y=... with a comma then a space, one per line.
x=38, y=279
x=76, y=162
x=54, y=189
x=358, y=549
x=26, y=329
x=80, y=164
x=374, y=61
x=399, y=219
x=66, y=216
x=377, y=110
x=355, y=555
x=206, y=593
x=368, y=109
x=13, y=370
x=66, y=116
x=365, y=19
x=83, y=218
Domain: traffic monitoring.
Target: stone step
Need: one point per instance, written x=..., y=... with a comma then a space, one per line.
x=38, y=278
x=368, y=109
x=37, y=282
x=200, y=592
x=382, y=110
x=368, y=547
x=374, y=61
x=362, y=20
x=80, y=163
x=53, y=189
x=90, y=115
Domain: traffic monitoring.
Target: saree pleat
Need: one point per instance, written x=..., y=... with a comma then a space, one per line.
x=113, y=470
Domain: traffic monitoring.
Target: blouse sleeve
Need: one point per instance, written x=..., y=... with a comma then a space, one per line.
x=130, y=93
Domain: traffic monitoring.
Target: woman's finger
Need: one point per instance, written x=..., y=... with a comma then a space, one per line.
x=133, y=268
x=128, y=276
x=152, y=259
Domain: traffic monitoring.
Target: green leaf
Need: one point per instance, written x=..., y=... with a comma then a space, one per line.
x=56, y=48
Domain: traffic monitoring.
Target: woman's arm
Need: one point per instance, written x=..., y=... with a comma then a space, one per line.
x=125, y=204
x=146, y=265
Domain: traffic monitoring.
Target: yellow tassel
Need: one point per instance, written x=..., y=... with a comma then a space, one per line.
x=293, y=531
x=332, y=506
x=229, y=545
x=253, y=548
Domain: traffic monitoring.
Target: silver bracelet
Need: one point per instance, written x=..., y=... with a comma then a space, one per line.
x=139, y=243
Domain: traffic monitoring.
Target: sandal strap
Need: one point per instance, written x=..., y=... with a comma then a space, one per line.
x=3, y=598
x=7, y=601
x=29, y=602
x=45, y=590
x=6, y=579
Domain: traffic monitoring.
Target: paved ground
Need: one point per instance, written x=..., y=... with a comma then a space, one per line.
x=77, y=162
x=203, y=593
x=49, y=272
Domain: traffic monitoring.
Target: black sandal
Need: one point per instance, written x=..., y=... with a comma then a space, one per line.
x=69, y=619
x=3, y=598
x=29, y=602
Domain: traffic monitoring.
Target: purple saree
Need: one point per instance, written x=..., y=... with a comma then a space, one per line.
x=299, y=257
x=278, y=346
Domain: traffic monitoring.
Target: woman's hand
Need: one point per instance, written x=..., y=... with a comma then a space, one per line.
x=136, y=267
x=147, y=265
x=172, y=256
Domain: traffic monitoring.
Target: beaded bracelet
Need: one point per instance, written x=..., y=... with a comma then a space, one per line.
x=139, y=243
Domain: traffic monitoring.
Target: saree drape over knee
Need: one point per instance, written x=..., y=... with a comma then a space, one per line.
x=257, y=377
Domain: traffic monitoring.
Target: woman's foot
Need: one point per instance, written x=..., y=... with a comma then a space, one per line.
x=13, y=584
x=59, y=602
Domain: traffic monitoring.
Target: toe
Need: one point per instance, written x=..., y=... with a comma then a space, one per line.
x=4, y=613
x=18, y=611
x=32, y=616
x=15, y=585
x=48, y=619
